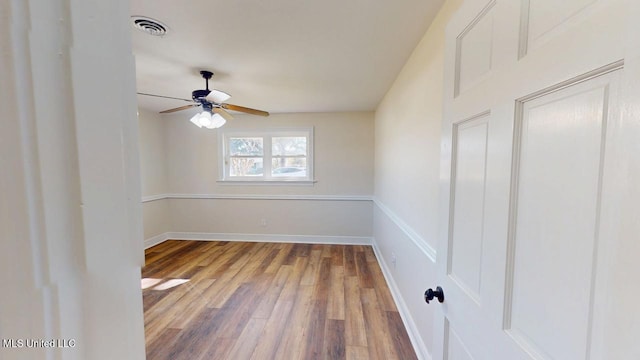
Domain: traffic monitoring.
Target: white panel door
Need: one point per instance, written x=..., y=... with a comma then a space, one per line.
x=541, y=166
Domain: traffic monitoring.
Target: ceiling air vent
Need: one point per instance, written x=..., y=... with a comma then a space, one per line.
x=149, y=25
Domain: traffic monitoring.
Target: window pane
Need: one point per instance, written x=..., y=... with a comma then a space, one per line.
x=245, y=146
x=289, y=167
x=289, y=146
x=246, y=167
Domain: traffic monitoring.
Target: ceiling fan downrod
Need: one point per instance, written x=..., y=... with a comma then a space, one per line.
x=199, y=95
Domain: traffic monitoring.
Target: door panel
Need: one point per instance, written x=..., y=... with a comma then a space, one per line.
x=475, y=50
x=469, y=176
x=555, y=219
x=456, y=349
x=542, y=18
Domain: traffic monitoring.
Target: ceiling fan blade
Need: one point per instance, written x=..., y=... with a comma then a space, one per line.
x=244, y=109
x=165, y=97
x=218, y=96
x=222, y=113
x=178, y=108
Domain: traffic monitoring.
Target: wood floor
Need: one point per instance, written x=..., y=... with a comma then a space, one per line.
x=240, y=300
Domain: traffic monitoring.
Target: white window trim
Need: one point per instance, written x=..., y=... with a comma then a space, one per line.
x=223, y=157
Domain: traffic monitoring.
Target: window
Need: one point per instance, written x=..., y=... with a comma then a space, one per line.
x=277, y=155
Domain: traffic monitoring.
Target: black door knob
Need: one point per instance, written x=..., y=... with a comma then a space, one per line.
x=430, y=294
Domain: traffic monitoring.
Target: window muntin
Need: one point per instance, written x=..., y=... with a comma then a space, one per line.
x=283, y=155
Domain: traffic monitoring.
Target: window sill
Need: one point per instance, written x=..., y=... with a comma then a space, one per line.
x=269, y=182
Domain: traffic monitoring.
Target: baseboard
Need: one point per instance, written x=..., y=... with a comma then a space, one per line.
x=155, y=240
x=304, y=239
x=419, y=346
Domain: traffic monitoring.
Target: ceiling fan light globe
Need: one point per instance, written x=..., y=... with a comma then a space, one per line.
x=205, y=119
x=195, y=119
x=217, y=121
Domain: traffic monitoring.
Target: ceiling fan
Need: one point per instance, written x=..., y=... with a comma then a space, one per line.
x=214, y=109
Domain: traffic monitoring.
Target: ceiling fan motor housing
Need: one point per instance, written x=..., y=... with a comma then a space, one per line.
x=207, y=106
x=200, y=94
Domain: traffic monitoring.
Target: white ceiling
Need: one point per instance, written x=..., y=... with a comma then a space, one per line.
x=279, y=55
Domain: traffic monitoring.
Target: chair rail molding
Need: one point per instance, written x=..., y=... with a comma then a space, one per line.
x=418, y=240
x=151, y=198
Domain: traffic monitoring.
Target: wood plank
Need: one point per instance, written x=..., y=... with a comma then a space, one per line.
x=334, y=346
x=270, y=297
x=192, y=305
x=245, y=273
x=164, y=249
x=349, y=261
x=357, y=353
x=151, y=298
x=166, y=264
x=289, y=292
x=193, y=340
x=399, y=335
x=218, y=349
x=158, y=267
x=311, y=272
x=221, y=262
x=182, y=303
x=337, y=255
x=370, y=255
x=279, y=260
x=318, y=316
x=336, y=299
x=248, y=339
x=267, y=261
x=271, y=335
x=279, y=319
x=326, y=251
x=293, y=344
x=219, y=249
x=290, y=259
x=161, y=346
x=236, y=312
x=303, y=250
x=378, y=336
x=362, y=267
x=382, y=290
x=355, y=329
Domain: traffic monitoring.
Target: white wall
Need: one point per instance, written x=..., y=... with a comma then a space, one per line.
x=70, y=215
x=407, y=152
x=336, y=208
x=153, y=170
x=343, y=153
x=153, y=173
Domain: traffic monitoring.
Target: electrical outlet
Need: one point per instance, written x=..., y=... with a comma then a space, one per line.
x=393, y=259
x=263, y=222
